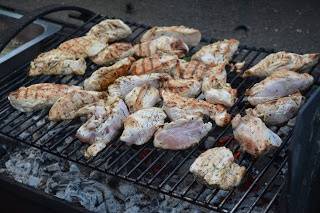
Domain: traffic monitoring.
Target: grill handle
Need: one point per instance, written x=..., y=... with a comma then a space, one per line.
x=29, y=17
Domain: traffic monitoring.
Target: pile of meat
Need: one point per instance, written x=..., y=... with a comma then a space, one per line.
x=146, y=90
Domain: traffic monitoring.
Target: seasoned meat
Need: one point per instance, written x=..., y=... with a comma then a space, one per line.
x=157, y=63
x=38, y=96
x=104, y=76
x=57, y=62
x=184, y=87
x=178, y=107
x=282, y=61
x=278, y=84
x=216, y=168
x=112, y=53
x=110, y=30
x=140, y=126
x=181, y=134
x=219, y=52
x=253, y=135
x=142, y=97
x=163, y=44
x=190, y=36
x=278, y=111
x=67, y=106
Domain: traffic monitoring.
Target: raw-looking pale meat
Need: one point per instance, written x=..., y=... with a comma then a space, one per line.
x=282, y=61
x=140, y=126
x=142, y=97
x=57, y=62
x=190, y=36
x=279, y=84
x=38, y=96
x=253, y=135
x=278, y=111
x=181, y=134
x=184, y=87
x=216, y=168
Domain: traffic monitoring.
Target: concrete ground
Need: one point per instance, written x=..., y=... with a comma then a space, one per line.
x=280, y=24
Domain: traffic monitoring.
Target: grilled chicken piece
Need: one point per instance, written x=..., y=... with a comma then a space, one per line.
x=57, y=62
x=142, y=97
x=103, y=127
x=190, y=36
x=282, y=61
x=112, y=53
x=219, y=52
x=163, y=44
x=156, y=63
x=38, y=96
x=184, y=87
x=218, y=92
x=216, y=168
x=123, y=85
x=178, y=107
x=279, y=84
x=181, y=134
x=104, y=76
x=140, y=126
x=67, y=106
x=110, y=30
x=83, y=47
x=253, y=135
x=278, y=111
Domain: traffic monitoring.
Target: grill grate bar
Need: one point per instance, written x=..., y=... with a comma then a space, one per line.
x=274, y=197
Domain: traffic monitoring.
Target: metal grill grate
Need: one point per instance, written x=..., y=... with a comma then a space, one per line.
x=161, y=170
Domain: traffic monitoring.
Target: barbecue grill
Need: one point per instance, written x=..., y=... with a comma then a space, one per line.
x=161, y=170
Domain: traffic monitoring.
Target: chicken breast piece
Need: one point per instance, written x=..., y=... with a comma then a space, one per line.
x=184, y=87
x=83, y=47
x=157, y=63
x=216, y=168
x=163, y=44
x=57, y=62
x=142, y=97
x=279, y=84
x=38, y=96
x=178, y=107
x=110, y=30
x=104, y=76
x=253, y=135
x=278, y=111
x=67, y=106
x=123, y=85
x=190, y=36
x=282, y=61
x=140, y=126
x=181, y=134
x=112, y=53
x=219, y=52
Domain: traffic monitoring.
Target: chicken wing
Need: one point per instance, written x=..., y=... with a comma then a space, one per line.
x=142, y=97
x=181, y=134
x=278, y=84
x=216, y=168
x=184, y=87
x=178, y=107
x=278, y=111
x=140, y=126
x=219, y=52
x=57, y=62
x=104, y=76
x=112, y=53
x=156, y=63
x=38, y=96
x=190, y=36
x=282, y=61
x=110, y=30
x=67, y=106
x=253, y=135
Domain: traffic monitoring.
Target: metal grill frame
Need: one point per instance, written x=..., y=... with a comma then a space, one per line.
x=148, y=156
